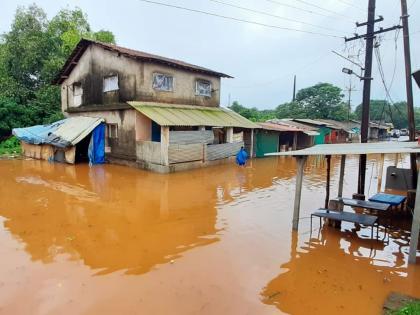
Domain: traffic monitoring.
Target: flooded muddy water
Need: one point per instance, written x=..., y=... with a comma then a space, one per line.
x=115, y=240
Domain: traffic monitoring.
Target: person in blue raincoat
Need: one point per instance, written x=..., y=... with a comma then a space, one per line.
x=241, y=157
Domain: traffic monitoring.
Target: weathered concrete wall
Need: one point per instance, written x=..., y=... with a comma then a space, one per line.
x=124, y=146
x=135, y=79
x=149, y=152
x=143, y=127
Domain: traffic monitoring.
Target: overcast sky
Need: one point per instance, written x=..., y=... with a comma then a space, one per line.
x=263, y=60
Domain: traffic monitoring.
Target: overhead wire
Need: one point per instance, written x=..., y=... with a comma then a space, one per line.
x=272, y=15
x=305, y=10
x=238, y=19
x=324, y=9
x=352, y=5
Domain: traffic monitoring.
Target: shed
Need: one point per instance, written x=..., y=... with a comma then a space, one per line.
x=343, y=150
x=70, y=140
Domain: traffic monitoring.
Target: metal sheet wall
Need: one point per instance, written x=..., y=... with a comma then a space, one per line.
x=221, y=151
x=179, y=153
x=191, y=137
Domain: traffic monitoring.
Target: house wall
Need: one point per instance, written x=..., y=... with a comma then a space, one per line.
x=124, y=146
x=135, y=80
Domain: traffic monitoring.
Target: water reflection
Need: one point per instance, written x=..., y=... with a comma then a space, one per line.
x=116, y=218
x=341, y=271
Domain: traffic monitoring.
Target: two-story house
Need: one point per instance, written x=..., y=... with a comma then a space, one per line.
x=161, y=114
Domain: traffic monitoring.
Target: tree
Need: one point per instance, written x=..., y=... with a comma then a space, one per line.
x=322, y=100
x=31, y=55
x=253, y=113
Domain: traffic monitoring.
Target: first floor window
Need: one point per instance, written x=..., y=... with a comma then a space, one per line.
x=111, y=83
x=112, y=131
x=203, y=88
x=163, y=82
x=77, y=94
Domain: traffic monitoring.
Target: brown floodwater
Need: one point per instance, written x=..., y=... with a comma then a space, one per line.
x=115, y=240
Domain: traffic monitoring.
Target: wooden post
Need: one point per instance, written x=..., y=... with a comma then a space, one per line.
x=295, y=138
x=341, y=180
x=327, y=195
x=251, y=154
x=298, y=193
x=381, y=171
x=164, y=145
x=415, y=227
x=229, y=135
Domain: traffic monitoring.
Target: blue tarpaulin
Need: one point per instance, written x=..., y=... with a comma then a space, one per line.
x=62, y=134
x=96, y=151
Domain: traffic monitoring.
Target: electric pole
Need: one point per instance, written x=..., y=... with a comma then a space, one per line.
x=294, y=89
x=364, y=133
x=364, y=130
x=349, y=90
x=409, y=87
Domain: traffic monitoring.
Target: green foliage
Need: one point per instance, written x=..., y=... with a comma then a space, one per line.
x=322, y=100
x=385, y=111
x=31, y=55
x=253, y=114
x=412, y=308
x=10, y=146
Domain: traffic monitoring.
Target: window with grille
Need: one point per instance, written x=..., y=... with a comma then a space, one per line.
x=163, y=82
x=203, y=88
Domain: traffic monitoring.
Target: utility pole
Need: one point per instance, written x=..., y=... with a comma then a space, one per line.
x=294, y=89
x=409, y=87
x=364, y=133
x=349, y=90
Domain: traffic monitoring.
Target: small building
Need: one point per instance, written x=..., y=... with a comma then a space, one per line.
x=161, y=114
x=71, y=140
x=378, y=130
x=278, y=135
x=324, y=129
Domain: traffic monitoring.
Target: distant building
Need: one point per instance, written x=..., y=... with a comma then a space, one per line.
x=161, y=114
x=278, y=135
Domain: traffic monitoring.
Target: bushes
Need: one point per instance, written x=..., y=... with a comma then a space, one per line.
x=10, y=146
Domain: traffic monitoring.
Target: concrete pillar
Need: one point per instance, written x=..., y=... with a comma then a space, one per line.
x=164, y=145
x=229, y=135
x=341, y=180
x=251, y=154
x=295, y=138
x=415, y=227
x=381, y=171
x=298, y=193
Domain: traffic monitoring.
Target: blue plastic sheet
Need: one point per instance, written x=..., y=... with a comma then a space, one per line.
x=96, y=151
x=42, y=134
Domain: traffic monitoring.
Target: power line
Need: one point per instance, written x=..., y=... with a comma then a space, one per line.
x=272, y=15
x=301, y=9
x=352, y=5
x=238, y=20
x=326, y=10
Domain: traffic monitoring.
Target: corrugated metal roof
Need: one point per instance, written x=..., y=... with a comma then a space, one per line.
x=189, y=115
x=63, y=133
x=355, y=148
x=278, y=127
x=312, y=122
x=131, y=53
x=290, y=122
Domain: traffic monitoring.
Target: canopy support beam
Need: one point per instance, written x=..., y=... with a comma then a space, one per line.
x=341, y=180
x=327, y=195
x=298, y=193
x=415, y=227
